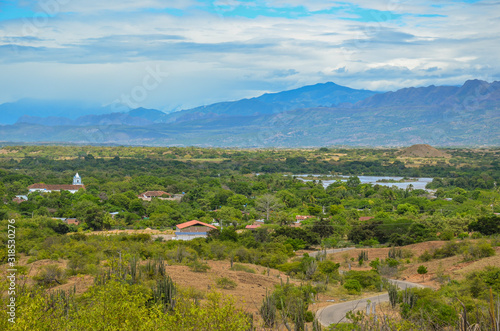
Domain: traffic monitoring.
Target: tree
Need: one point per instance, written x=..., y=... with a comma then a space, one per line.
x=323, y=227
x=229, y=215
x=90, y=213
x=283, y=218
x=268, y=203
x=328, y=267
x=422, y=270
x=353, y=181
x=486, y=225
x=237, y=201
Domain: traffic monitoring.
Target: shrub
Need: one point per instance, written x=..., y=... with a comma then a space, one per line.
x=365, y=278
x=478, y=251
x=241, y=267
x=369, y=242
x=451, y=248
x=393, y=263
x=448, y=235
x=225, y=283
x=49, y=275
x=425, y=257
x=309, y=316
x=328, y=267
x=352, y=285
x=197, y=266
x=291, y=267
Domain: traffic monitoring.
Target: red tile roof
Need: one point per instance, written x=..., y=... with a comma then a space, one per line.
x=56, y=187
x=253, y=226
x=365, y=218
x=194, y=222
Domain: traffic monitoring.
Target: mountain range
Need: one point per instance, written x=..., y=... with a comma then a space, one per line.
x=316, y=115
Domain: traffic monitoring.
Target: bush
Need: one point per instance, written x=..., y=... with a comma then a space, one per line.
x=241, y=267
x=367, y=279
x=309, y=316
x=451, y=248
x=197, y=266
x=353, y=286
x=439, y=313
x=478, y=251
x=50, y=275
x=369, y=242
x=225, y=283
x=448, y=235
x=291, y=267
x=425, y=257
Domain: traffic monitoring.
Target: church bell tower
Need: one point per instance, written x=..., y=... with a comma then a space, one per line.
x=77, y=180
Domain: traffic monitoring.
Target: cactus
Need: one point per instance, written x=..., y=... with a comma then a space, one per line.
x=363, y=256
x=393, y=295
x=395, y=253
x=164, y=293
x=409, y=297
x=268, y=310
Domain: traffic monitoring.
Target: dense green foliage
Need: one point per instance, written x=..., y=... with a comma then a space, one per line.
x=235, y=188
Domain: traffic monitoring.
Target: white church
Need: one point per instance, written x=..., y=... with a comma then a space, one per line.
x=75, y=187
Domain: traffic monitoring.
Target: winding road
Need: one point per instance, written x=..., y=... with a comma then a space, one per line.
x=336, y=313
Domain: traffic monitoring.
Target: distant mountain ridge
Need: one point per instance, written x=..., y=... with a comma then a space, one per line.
x=319, y=95
x=479, y=91
x=467, y=115
x=135, y=117
x=327, y=95
x=11, y=112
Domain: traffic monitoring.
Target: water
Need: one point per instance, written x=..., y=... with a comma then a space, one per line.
x=418, y=183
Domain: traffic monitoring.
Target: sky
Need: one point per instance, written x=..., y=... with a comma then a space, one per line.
x=177, y=54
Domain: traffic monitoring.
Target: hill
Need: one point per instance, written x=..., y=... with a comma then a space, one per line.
x=422, y=150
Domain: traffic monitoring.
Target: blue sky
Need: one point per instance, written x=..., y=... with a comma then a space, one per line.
x=178, y=54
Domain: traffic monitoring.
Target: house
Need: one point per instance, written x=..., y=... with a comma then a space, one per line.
x=192, y=229
x=365, y=218
x=20, y=198
x=47, y=188
x=253, y=226
x=147, y=196
x=72, y=221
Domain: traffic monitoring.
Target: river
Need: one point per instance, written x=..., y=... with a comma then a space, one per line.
x=418, y=183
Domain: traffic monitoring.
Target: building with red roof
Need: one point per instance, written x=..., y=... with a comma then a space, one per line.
x=192, y=229
x=47, y=188
x=253, y=226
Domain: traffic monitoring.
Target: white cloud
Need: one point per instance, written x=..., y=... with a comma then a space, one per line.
x=95, y=49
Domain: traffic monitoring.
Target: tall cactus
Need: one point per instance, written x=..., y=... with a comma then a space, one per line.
x=268, y=310
x=393, y=295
